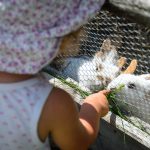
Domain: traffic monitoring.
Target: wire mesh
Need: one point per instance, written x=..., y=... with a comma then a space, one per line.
x=80, y=62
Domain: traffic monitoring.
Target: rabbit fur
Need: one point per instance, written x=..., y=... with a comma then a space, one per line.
x=134, y=97
x=94, y=72
x=70, y=44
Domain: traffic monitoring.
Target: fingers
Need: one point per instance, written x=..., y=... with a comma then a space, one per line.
x=105, y=92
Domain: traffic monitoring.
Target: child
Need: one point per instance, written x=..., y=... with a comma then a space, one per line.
x=31, y=108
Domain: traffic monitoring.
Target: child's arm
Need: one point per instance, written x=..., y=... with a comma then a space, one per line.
x=70, y=129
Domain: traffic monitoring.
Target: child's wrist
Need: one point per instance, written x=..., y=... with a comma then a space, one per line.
x=96, y=105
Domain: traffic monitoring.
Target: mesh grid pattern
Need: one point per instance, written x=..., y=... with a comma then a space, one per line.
x=131, y=41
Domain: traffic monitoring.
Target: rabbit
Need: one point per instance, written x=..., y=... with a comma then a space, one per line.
x=134, y=97
x=97, y=71
x=69, y=47
x=70, y=44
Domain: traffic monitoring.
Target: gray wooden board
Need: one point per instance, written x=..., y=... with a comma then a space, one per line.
x=136, y=8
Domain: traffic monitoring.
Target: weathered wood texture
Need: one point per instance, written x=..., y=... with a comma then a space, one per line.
x=140, y=9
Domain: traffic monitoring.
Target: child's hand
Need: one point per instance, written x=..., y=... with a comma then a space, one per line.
x=104, y=102
x=99, y=101
x=105, y=92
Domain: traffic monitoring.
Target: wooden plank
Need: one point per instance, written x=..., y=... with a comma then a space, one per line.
x=140, y=9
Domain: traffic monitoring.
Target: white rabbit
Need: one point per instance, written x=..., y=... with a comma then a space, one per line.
x=134, y=97
x=97, y=71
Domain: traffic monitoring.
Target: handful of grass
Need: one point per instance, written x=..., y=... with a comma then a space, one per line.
x=112, y=101
x=111, y=96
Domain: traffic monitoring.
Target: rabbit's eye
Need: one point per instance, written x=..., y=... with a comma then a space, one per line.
x=96, y=68
x=131, y=86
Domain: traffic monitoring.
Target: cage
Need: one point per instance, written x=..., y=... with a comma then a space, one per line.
x=112, y=49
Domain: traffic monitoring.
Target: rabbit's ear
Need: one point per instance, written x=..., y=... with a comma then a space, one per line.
x=99, y=56
x=105, y=48
x=106, y=45
x=131, y=68
x=121, y=62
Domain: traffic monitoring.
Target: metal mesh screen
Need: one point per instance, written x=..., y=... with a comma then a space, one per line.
x=131, y=41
